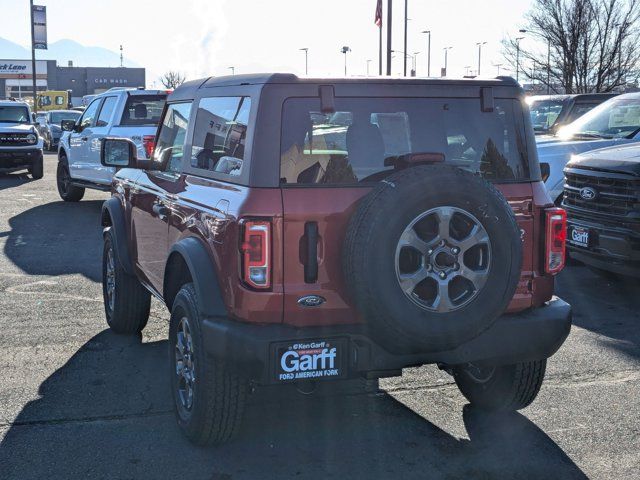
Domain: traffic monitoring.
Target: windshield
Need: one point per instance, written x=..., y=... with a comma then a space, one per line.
x=544, y=113
x=368, y=138
x=57, y=117
x=615, y=118
x=14, y=114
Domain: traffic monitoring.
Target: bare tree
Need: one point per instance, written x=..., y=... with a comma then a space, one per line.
x=592, y=45
x=172, y=79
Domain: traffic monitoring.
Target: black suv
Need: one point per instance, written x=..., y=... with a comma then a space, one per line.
x=602, y=199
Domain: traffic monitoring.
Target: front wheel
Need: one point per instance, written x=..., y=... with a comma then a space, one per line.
x=209, y=396
x=126, y=301
x=37, y=169
x=67, y=191
x=503, y=388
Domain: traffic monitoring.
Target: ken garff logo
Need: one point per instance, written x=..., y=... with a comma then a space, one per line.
x=588, y=193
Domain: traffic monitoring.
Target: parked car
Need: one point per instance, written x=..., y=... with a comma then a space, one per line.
x=550, y=112
x=20, y=144
x=613, y=123
x=602, y=198
x=306, y=230
x=49, y=126
x=129, y=113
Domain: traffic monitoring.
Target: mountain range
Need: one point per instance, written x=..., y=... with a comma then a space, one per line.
x=63, y=51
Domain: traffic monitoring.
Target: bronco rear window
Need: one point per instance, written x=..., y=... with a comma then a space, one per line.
x=143, y=109
x=365, y=139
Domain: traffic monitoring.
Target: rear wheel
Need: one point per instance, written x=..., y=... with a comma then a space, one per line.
x=126, y=301
x=67, y=191
x=209, y=396
x=503, y=388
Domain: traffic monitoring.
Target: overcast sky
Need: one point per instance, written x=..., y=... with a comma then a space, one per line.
x=205, y=37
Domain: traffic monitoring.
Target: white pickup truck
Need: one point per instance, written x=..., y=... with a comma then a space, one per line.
x=123, y=113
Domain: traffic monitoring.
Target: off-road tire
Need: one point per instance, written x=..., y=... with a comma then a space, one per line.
x=132, y=301
x=371, y=239
x=510, y=388
x=37, y=169
x=67, y=192
x=219, y=392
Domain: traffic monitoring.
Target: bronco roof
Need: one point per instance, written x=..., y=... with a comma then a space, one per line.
x=188, y=89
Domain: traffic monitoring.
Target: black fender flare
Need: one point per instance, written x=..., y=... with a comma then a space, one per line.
x=61, y=151
x=112, y=209
x=203, y=275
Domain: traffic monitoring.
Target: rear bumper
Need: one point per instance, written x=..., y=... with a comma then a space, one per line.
x=12, y=159
x=534, y=334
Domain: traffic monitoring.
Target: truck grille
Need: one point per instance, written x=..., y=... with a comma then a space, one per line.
x=13, y=139
x=614, y=196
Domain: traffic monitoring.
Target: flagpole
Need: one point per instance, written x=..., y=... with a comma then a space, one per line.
x=389, y=15
x=380, y=50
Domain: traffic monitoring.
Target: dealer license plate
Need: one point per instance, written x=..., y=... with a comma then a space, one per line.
x=320, y=359
x=578, y=236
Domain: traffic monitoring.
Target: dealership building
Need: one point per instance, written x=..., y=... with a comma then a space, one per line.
x=16, y=78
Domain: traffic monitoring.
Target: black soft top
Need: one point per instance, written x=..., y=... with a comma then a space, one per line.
x=188, y=90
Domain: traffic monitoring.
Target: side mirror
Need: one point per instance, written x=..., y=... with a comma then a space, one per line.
x=545, y=171
x=118, y=152
x=68, y=125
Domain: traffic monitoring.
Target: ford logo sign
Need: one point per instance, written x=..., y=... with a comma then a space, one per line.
x=588, y=193
x=311, y=301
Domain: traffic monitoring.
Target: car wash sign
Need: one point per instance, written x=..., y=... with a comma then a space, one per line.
x=39, y=16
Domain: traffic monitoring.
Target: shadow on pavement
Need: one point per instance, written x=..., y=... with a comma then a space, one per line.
x=11, y=180
x=605, y=304
x=57, y=238
x=106, y=414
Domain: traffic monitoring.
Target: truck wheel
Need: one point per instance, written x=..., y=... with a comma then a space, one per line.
x=68, y=192
x=37, y=169
x=209, y=396
x=504, y=388
x=126, y=301
x=432, y=257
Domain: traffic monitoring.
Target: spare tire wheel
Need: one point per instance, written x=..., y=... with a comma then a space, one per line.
x=432, y=257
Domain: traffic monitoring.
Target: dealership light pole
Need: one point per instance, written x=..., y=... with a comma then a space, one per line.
x=428, y=32
x=479, y=44
x=522, y=30
x=306, y=59
x=446, y=52
x=345, y=50
x=233, y=70
x=33, y=59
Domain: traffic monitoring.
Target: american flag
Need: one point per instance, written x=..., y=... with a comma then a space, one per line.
x=378, y=19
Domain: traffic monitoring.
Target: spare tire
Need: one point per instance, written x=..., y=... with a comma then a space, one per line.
x=432, y=257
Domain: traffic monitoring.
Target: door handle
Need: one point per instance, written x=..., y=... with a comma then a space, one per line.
x=311, y=260
x=160, y=210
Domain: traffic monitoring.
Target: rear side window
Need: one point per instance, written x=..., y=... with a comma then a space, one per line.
x=368, y=138
x=220, y=134
x=106, y=111
x=143, y=110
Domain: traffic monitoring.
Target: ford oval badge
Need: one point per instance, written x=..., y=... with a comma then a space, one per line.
x=311, y=301
x=588, y=193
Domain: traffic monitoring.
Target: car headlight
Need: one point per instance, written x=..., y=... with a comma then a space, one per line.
x=32, y=139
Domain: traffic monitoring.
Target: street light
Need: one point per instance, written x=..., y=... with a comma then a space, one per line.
x=233, y=70
x=428, y=32
x=522, y=30
x=415, y=64
x=368, y=62
x=306, y=59
x=446, y=52
x=345, y=50
x=498, y=65
x=479, y=44
x=466, y=70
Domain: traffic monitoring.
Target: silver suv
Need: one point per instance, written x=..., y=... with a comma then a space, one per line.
x=125, y=113
x=20, y=144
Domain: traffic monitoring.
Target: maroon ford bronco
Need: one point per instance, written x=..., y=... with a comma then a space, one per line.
x=308, y=230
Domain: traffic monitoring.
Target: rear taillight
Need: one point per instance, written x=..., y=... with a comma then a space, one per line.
x=556, y=228
x=256, y=254
x=149, y=143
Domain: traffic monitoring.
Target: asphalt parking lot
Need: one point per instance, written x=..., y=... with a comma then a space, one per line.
x=77, y=401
